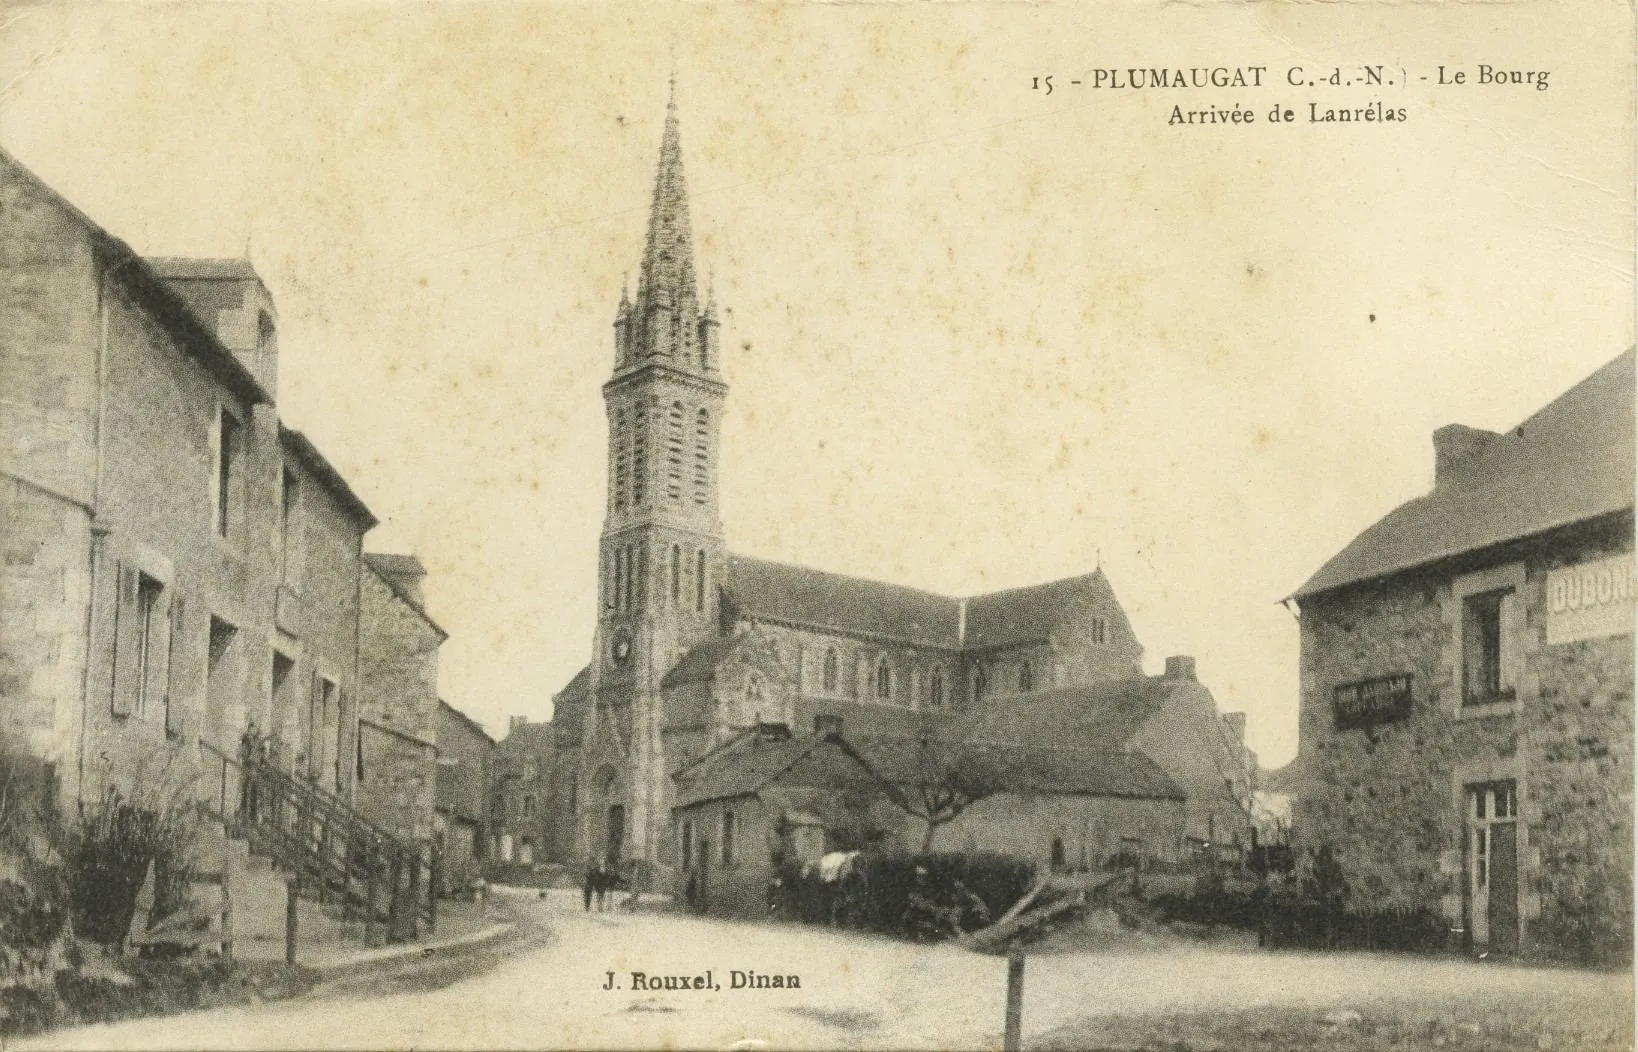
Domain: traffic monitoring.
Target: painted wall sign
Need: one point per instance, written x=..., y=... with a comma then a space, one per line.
x=1371, y=701
x=1590, y=599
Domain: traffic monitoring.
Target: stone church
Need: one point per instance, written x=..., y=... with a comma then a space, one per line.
x=694, y=643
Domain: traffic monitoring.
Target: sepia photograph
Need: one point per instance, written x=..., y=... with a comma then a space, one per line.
x=1098, y=524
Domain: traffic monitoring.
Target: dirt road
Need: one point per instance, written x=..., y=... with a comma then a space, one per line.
x=854, y=992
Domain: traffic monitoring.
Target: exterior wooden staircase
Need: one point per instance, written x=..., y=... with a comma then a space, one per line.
x=314, y=839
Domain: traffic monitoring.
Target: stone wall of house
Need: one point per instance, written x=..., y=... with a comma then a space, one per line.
x=398, y=683
x=739, y=887
x=45, y=548
x=1089, y=829
x=112, y=411
x=1186, y=739
x=1391, y=797
x=399, y=786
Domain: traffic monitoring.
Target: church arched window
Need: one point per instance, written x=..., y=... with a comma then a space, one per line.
x=622, y=460
x=702, y=454
x=674, y=453
x=699, y=580
x=884, y=680
x=676, y=574
x=639, y=455
x=936, y=689
x=829, y=677
x=1026, y=678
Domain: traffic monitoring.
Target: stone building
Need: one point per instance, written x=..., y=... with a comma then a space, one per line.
x=1467, y=686
x=695, y=644
x=398, y=716
x=465, y=756
x=522, y=807
x=178, y=565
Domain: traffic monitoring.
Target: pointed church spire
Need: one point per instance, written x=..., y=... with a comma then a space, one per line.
x=667, y=275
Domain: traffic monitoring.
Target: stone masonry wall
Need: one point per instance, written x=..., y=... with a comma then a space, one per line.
x=1391, y=797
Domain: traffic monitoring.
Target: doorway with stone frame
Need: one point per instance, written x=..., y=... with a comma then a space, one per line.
x=1491, y=894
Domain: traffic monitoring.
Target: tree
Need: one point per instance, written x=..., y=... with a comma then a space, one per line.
x=942, y=775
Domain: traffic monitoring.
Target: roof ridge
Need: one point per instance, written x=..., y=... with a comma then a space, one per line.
x=843, y=576
x=1090, y=575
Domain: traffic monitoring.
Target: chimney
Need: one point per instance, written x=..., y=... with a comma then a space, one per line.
x=1453, y=446
x=1180, y=666
x=403, y=572
x=826, y=725
x=517, y=721
x=228, y=296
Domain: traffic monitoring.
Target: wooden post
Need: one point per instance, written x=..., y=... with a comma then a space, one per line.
x=372, y=882
x=1015, y=999
x=415, y=895
x=432, y=890
x=291, y=918
x=227, y=914
x=395, y=899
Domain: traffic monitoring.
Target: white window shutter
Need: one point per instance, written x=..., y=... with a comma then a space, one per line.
x=173, y=707
x=127, y=635
x=1511, y=632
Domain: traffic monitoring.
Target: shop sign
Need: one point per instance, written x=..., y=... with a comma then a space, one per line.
x=1590, y=599
x=1369, y=702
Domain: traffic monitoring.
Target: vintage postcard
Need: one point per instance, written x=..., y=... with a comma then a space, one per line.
x=817, y=525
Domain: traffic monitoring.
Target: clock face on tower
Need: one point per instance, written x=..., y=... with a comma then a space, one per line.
x=620, y=648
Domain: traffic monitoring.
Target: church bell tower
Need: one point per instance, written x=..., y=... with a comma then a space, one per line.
x=661, y=549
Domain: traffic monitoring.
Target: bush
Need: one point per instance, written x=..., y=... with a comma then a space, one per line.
x=109, y=852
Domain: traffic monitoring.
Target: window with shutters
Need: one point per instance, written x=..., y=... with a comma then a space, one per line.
x=1100, y=630
x=149, y=630
x=1026, y=678
x=936, y=689
x=1485, y=668
x=728, y=829
x=142, y=643
x=829, y=676
x=676, y=574
x=699, y=580
x=884, y=680
x=1487, y=622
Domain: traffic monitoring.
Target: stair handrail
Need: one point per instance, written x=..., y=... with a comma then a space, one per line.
x=367, y=850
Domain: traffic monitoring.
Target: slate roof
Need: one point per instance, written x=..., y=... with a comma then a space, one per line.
x=304, y=450
x=192, y=269
x=1070, y=740
x=699, y=665
x=1570, y=462
x=796, y=595
x=1097, y=717
x=1028, y=615
x=407, y=565
x=139, y=277
x=752, y=761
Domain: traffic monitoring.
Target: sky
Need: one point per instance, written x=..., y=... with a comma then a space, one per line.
x=977, y=336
